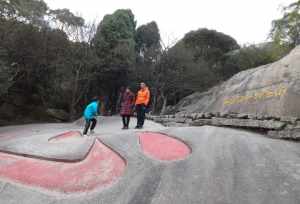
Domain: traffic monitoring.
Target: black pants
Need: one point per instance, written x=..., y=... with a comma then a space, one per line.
x=126, y=120
x=140, y=112
x=88, y=125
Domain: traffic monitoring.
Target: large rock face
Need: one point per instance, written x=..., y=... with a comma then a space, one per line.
x=272, y=89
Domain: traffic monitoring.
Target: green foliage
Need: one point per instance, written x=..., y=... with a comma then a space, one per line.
x=32, y=11
x=33, y=52
x=200, y=53
x=114, y=40
x=66, y=17
x=209, y=45
x=6, y=77
x=250, y=57
x=208, y=48
x=286, y=30
x=66, y=21
x=190, y=74
x=36, y=12
x=148, y=42
x=242, y=59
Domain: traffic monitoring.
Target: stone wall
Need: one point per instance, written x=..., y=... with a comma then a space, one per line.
x=275, y=127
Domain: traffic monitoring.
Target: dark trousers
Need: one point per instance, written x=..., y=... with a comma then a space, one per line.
x=88, y=125
x=126, y=120
x=140, y=113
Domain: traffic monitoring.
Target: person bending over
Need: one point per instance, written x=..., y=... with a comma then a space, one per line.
x=90, y=113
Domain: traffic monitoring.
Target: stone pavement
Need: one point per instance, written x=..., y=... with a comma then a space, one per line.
x=154, y=165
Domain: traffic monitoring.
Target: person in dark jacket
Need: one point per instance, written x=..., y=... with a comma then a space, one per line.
x=127, y=105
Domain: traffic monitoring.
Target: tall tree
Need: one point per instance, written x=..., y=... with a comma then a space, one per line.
x=66, y=21
x=148, y=52
x=209, y=45
x=148, y=42
x=245, y=58
x=114, y=40
x=114, y=43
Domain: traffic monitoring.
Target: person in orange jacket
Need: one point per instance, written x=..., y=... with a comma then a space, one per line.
x=141, y=103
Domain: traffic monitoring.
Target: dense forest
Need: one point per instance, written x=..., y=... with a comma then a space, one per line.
x=52, y=61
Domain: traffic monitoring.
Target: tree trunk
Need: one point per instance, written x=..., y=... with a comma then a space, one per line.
x=154, y=101
x=73, y=97
x=164, y=107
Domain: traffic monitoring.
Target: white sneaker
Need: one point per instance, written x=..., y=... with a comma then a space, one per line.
x=85, y=135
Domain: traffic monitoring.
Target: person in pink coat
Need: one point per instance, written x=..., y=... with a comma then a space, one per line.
x=127, y=105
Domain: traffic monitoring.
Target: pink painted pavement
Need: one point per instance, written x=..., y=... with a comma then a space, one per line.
x=100, y=168
x=163, y=147
x=66, y=135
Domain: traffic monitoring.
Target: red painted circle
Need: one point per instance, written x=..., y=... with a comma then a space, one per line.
x=100, y=168
x=163, y=147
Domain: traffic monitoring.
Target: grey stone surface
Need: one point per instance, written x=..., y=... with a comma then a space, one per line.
x=226, y=166
x=292, y=134
x=265, y=124
x=271, y=90
x=288, y=119
x=208, y=115
x=200, y=115
x=174, y=124
x=247, y=123
x=266, y=117
x=12, y=194
x=2, y=185
x=252, y=116
x=180, y=120
x=164, y=120
x=194, y=116
x=217, y=114
x=297, y=125
x=260, y=117
x=74, y=150
x=201, y=122
x=242, y=116
x=286, y=127
x=223, y=114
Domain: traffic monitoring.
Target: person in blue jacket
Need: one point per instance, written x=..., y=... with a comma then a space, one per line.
x=90, y=113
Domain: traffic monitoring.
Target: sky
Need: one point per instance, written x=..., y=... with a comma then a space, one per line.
x=247, y=21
